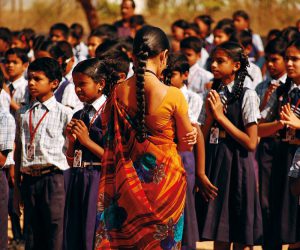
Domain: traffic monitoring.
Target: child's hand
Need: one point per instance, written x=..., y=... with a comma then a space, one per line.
x=191, y=137
x=81, y=132
x=215, y=105
x=70, y=135
x=17, y=200
x=207, y=190
x=289, y=118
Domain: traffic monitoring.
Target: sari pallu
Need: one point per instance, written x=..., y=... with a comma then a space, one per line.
x=142, y=187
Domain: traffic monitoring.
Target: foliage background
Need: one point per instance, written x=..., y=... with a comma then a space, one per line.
x=265, y=14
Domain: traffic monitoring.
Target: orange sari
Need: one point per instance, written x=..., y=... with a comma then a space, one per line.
x=142, y=187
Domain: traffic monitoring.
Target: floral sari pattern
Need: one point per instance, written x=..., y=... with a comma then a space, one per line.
x=142, y=187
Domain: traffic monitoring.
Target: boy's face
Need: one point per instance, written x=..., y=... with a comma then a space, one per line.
x=93, y=43
x=57, y=35
x=275, y=65
x=40, y=87
x=203, y=28
x=177, y=78
x=178, y=33
x=240, y=23
x=14, y=67
x=4, y=46
x=17, y=43
x=127, y=9
x=191, y=55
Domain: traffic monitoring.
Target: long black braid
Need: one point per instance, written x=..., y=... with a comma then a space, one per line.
x=236, y=53
x=148, y=43
x=140, y=94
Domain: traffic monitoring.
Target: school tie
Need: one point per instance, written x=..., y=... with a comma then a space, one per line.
x=86, y=113
x=11, y=89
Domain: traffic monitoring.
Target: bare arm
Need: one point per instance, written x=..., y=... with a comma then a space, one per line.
x=247, y=139
x=269, y=128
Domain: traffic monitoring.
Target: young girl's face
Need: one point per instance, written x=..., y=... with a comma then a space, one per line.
x=220, y=37
x=292, y=62
x=86, y=88
x=223, y=67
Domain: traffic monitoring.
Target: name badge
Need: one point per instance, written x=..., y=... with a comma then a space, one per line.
x=214, y=135
x=77, y=158
x=30, y=151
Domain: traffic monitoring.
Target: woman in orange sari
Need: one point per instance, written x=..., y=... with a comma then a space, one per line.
x=143, y=184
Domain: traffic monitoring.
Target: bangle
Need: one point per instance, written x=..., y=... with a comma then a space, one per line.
x=71, y=158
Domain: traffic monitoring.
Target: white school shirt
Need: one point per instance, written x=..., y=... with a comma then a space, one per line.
x=81, y=52
x=257, y=42
x=195, y=103
x=50, y=139
x=5, y=100
x=7, y=135
x=255, y=72
x=19, y=93
x=97, y=104
x=203, y=59
x=197, y=78
x=69, y=97
x=250, y=106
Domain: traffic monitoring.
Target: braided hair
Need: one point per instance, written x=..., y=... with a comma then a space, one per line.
x=98, y=70
x=236, y=53
x=148, y=43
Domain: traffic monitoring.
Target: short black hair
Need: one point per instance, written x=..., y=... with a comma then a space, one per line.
x=136, y=20
x=183, y=24
x=20, y=53
x=193, y=43
x=241, y=13
x=49, y=66
x=118, y=59
x=61, y=49
x=194, y=27
x=76, y=31
x=245, y=38
x=276, y=46
x=207, y=19
x=5, y=35
x=62, y=27
x=178, y=62
x=290, y=34
x=273, y=32
x=105, y=31
x=132, y=3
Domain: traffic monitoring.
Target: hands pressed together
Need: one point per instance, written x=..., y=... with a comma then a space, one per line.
x=213, y=106
x=76, y=129
x=287, y=117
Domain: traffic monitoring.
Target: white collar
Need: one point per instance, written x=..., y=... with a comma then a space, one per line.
x=99, y=102
x=18, y=82
x=229, y=86
x=281, y=80
x=49, y=104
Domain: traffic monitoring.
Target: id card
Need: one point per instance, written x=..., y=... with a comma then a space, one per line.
x=214, y=135
x=30, y=151
x=77, y=158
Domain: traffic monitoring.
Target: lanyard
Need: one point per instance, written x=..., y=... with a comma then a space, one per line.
x=32, y=130
x=95, y=116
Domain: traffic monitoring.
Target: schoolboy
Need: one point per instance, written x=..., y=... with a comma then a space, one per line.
x=7, y=135
x=40, y=158
x=59, y=32
x=198, y=77
x=16, y=63
x=65, y=92
x=80, y=50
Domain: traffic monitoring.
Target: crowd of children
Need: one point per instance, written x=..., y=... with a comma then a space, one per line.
x=243, y=174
